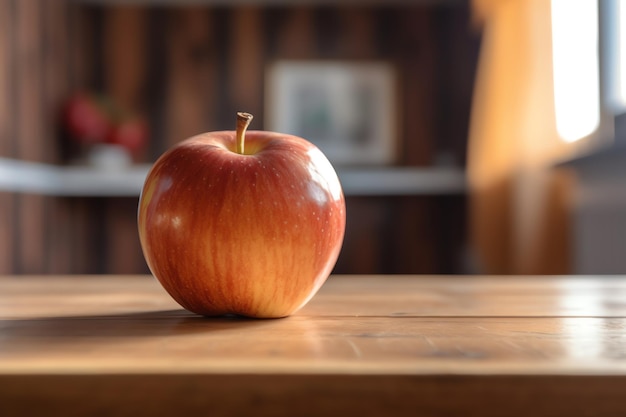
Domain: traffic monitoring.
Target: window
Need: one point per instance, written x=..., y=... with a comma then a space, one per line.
x=615, y=34
x=575, y=50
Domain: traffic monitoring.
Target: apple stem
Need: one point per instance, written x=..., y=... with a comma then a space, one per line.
x=243, y=121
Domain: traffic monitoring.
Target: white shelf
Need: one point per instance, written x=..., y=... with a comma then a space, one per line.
x=34, y=178
x=402, y=181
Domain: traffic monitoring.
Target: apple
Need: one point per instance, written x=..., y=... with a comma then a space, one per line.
x=130, y=133
x=242, y=223
x=96, y=119
x=86, y=118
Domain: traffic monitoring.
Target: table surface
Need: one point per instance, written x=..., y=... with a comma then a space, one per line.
x=85, y=345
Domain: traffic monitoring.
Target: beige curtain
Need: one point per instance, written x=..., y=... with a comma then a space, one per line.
x=519, y=218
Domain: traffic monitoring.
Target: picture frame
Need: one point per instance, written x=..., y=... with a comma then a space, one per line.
x=347, y=109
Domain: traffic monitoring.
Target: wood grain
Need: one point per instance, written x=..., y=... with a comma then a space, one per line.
x=397, y=324
x=418, y=57
x=247, y=62
x=55, y=87
x=191, y=85
x=312, y=395
x=392, y=345
x=7, y=201
x=30, y=215
x=121, y=237
x=296, y=34
x=6, y=77
x=125, y=45
x=32, y=83
x=358, y=38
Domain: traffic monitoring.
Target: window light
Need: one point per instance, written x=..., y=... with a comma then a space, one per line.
x=576, y=73
x=616, y=19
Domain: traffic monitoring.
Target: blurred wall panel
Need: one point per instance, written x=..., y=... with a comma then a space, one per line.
x=246, y=61
x=190, y=73
x=357, y=39
x=33, y=81
x=294, y=32
x=418, y=48
x=55, y=86
x=124, y=57
x=7, y=143
x=29, y=116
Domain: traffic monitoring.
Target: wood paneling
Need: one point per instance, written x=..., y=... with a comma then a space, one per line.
x=404, y=233
x=124, y=58
x=7, y=206
x=189, y=69
x=33, y=80
x=6, y=77
x=247, y=60
x=191, y=81
x=28, y=78
x=55, y=85
x=204, y=63
x=418, y=51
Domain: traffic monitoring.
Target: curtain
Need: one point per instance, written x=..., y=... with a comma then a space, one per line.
x=519, y=221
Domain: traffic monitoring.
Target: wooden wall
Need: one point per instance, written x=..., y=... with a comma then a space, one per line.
x=189, y=69
x=33, y=68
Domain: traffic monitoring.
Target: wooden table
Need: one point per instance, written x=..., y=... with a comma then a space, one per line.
x=365, y=345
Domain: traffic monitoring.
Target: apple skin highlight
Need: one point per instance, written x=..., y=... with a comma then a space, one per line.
x=253, y=234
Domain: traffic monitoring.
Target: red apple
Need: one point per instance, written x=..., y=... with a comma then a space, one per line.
x=248, y=228
x=86, y=119
x=130, y=133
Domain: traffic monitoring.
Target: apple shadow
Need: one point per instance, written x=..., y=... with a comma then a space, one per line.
x=165, y=323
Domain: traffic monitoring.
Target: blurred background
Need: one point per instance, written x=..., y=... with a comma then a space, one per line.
x=498, y=123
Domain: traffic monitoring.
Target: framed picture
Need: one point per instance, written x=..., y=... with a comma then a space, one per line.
x=347, y=109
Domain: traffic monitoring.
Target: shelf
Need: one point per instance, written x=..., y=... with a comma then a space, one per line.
x=35, y=178
x=402, y=181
